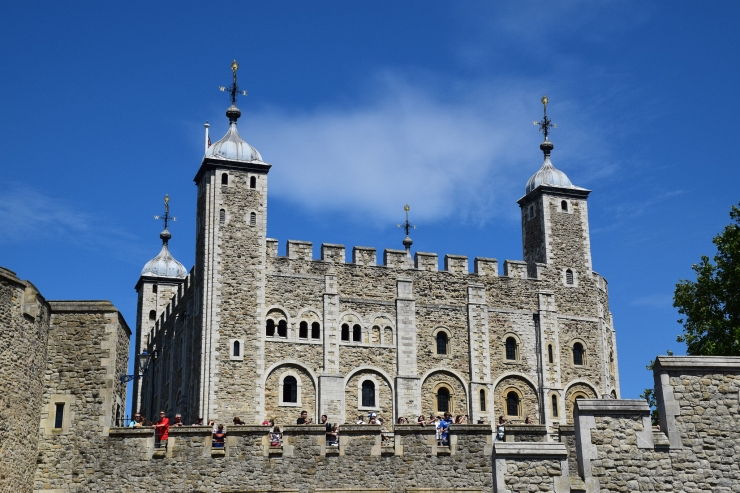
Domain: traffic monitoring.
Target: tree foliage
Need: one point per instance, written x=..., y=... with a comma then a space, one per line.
x=711, y=304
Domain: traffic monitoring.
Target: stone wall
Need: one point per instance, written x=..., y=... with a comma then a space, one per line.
x=87, y=354
x=24, y=329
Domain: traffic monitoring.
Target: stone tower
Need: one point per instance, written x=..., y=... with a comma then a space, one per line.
x=230, y=268
x=160, y=279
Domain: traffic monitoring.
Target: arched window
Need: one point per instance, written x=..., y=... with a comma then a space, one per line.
x=443, y=400
x=252, y=182
x=554, y=406
x=152, y=314
x=512, y=404
x=569, y=277
x=578, y=354
x=270, y=327
x=511, y=349
x=290, y=389
x=315, y=330
x=356, y=333
x=368, y=394
x=482, y=400
x=154, y=288
x=221, y=216
x=282, y=328
x=549, y=354
x=345, y=332
x=303, y=330
x=252, y=219
x=224, y=179
x=564, y=205
x=237, y=350
x=441, y=342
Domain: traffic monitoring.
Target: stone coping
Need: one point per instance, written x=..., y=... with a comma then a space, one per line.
x=364, y=429
x=300, y=242
x=470, y=428
x=612, y=406
x=410, y=429
x=567, y=429
x=82, y=306
x=530, y=449
x=531, y=429
x=131, y=432
x=697, y=363
x=311, y=429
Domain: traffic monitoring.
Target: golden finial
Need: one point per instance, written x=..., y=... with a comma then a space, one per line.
x=234, y=65
x=406, y=207
x=545, y=100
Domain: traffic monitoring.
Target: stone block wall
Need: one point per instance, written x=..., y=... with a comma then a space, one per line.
x=24, y=330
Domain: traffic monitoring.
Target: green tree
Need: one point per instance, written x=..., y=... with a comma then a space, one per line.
x=711, y=304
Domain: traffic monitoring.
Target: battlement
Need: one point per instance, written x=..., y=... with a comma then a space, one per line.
x=398, y=259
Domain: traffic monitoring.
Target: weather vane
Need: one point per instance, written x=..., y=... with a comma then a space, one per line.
x=166, y=218
x=545, y=124
x=407, y=227
x=234, y=88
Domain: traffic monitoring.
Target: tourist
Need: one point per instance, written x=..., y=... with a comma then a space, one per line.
x=526, y=420
x=162, y=430
x=219, y=436
x=178, y=420
x=137, y=422
x=265, y=422
x=303, y=419
x=276, y=437
x=332, y=436
x=421, y=420
x=238, y=421
x=198, y=422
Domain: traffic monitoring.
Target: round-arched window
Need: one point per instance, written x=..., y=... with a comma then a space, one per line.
x=442, y=341
x=290, y=389
x=368, y=393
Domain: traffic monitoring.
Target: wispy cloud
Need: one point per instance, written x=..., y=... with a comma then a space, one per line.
x=450, y=154
x=656, y=300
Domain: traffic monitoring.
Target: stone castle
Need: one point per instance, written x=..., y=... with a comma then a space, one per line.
x=253, y=334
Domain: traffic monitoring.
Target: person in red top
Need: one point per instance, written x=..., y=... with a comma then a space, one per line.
x=162, y=429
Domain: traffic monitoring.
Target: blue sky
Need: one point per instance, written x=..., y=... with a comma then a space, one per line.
x=362, y=107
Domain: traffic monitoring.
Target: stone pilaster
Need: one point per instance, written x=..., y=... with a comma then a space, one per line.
x=480, y=355
x=408, y=388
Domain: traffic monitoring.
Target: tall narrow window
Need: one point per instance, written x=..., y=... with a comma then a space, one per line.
x=252, y=182
x=154, y=288
x=482, y=400
x=511, y=349
x=345, y=332
x=578, y=353
x=443, y=400
x=315, y=330
x=549, y=354
x=356, y=333
x=221, y=216
x=441, y=342
x=554, y=406
x=368, y=394
x=224, y=179
x=290, y=389
x=569, y=277
x=152, y=314
x=282, y=328
x=564, y=205
x=270, y=327
x=58, y=415
x=512, y=404
x=252, y=219
x=303, y=330
x=237, y=351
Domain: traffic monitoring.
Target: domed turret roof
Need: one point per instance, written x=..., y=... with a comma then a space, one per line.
x=164, y=264
x=231, y=146
x=548, y=175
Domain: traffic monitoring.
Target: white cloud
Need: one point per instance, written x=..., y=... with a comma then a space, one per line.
x=449, y=155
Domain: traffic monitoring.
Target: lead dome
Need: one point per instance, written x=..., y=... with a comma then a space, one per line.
x=164, y=264
x=231, y=146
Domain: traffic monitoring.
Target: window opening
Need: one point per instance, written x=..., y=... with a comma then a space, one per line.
x=554, y=406
x=252, y=182
x=345, y=332
x=152, y=314
x=58, y=414
x=303, y=330
x=154, y=288
x=512, y=404
x=270, y=327
x=482, y=400
x=290, y=389
x=221, y=216
x=356, y=333
x=237, y=349
x=441, y=342
x=511, y=348
x=224, y=179
x=549, y=354
x=443, y=400
x=282, y=328
x=568, y=276
x=578, y=353
x=252, y=219
x=315, y=330
x=564, y=205
x=368, y=394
